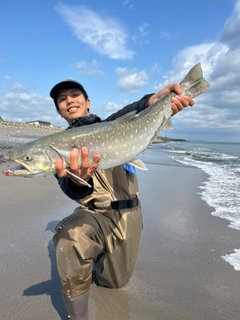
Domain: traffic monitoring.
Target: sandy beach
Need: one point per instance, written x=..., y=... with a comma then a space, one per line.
x=179, y=275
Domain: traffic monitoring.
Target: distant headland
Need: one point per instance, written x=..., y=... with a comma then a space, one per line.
x=160, y=139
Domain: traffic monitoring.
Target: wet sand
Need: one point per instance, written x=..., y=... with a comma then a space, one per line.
x=179, y=275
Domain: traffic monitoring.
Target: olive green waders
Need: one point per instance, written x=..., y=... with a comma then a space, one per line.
x=101, y=236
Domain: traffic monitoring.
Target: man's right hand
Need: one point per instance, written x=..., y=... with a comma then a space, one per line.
x=178, y=102
x=84, y=172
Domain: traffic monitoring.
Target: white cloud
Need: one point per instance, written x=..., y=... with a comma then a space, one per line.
x=101, y=33
x=143, y=27
x=17, y=86
x=217, y=112
x=156, y=69
x=24, y=107
x=89, y=69
x=142, y=35
x=165, y=35
x=109, y=108
x=231, y=30
x=127, y=4
x=131, y=80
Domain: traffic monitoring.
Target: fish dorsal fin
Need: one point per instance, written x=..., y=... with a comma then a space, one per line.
x=168, y=125
x=162, y=96
x=128, y=116
x=138, y=164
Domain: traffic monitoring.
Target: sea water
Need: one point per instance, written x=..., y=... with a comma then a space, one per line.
x=221, y=162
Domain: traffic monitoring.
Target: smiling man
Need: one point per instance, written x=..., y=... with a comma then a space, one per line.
x=71, y=103
x=99, y=241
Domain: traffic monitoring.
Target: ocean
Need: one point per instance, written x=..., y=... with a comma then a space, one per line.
x=221, y=190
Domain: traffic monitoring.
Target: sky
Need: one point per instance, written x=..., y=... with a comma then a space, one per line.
x=121, y=50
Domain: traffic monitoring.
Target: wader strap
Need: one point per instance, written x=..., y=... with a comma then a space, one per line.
x=116, y=205
x=124, y=204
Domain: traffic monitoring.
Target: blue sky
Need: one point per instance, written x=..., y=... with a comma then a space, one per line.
x=120, y=50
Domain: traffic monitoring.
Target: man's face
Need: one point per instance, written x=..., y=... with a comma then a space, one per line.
x=72, y=104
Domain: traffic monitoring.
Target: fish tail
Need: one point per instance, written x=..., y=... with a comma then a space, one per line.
x=194, y=84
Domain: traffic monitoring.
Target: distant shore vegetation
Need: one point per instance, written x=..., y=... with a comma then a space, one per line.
x=159, y=139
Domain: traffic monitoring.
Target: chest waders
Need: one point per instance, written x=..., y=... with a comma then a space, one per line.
x=101, y=237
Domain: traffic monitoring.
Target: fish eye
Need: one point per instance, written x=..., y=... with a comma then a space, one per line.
x=27, y=157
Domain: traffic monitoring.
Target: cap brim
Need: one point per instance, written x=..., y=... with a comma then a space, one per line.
x=68, y=84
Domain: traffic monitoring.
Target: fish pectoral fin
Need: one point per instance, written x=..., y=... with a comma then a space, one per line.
x=128, y=116
x=138, y=164
x=80, y=180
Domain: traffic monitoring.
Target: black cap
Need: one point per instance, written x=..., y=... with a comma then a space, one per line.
x=66, y=84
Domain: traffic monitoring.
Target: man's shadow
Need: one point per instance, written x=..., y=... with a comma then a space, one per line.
x=50, y=287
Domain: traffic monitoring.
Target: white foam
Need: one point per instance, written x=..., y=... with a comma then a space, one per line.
x=221, y=190
x=233, y=259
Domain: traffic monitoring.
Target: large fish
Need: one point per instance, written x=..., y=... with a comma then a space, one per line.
x=117, y=142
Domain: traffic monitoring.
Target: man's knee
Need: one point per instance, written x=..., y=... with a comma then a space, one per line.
x=74, y=226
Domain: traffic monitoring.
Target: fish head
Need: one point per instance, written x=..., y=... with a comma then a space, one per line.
x=31, y=161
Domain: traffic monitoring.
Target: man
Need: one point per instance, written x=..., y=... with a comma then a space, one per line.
x=99, y=241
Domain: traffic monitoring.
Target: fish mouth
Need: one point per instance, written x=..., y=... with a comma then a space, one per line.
x=21, y=170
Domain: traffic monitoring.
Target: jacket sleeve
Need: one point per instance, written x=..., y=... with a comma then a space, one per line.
x=72, y=190
x=139, y=106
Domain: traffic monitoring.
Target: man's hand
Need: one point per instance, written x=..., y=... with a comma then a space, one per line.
x=178, y=103
x=85, y=171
